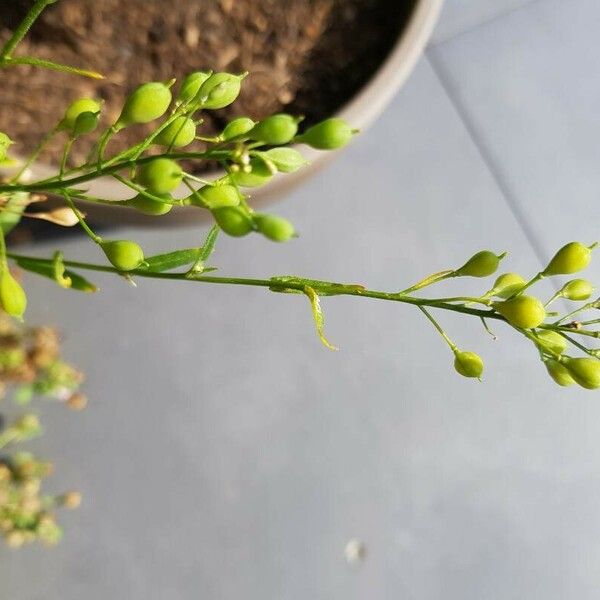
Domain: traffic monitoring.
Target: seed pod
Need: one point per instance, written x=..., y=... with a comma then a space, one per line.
x=219, y=90
x=86, y=123
x=571, y=258
x=328, y=135
x=151, y=207
x=287, y=160
x=180, y=133
x=274, y=228
x=13, y=299
x=275, y=130
x=585, y=371
x=237, y=127
x=577, y=289
x=551, y=341
x=482, y=264
x=5, y=142
x=146, y=103
x=258, y=175
x=468, y=364
x=160, y=176
x=507, y=284
x=233, y=220
x=124, y=255
x=190, y=86
x=216, y=196
x=558, y=373
x=525, y=312
x=76, y=108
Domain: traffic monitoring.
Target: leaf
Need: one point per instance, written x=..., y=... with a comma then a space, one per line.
x=47, y=269
x=318, y=316
x=59, y=271
x=209, y=243
x=172, y=260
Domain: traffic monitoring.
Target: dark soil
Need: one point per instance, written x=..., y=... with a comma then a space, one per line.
x=304, y=56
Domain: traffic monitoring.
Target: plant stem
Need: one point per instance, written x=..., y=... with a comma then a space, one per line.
x=21, y=31
x=48, y=64
x=439, y=329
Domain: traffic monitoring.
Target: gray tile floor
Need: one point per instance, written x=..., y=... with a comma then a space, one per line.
x=226, y=455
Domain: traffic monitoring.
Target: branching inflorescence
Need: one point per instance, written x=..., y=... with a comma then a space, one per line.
x=250, y=154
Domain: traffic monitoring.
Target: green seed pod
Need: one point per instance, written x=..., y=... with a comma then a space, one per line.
x=216, y=196
x=551, y=341
x=13, y=299
x=525, y=312
x=507, y=284
x=180, y=133
x=219, y=90
x=577, y=289
x=559, y=373
x=275, y=130
x=585, y=371
x=233, y=220
x=86, y=123
x=571, y=258
x=274, y=228
x=146, y=103
x=151, y=207
x=77, y=108
x=287, y=160
x=468, y=364
x=190, y=86
x=160, y=176
x=482, y=264
x=124, y=255
x=237, y=127
x=259, y=174
x=328, y=135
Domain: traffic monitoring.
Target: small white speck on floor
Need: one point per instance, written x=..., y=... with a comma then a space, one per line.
x=355, y=552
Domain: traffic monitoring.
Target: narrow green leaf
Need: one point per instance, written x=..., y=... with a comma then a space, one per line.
x=209, y=243
x=172, y=260
x=318, y=316
x=47, y=269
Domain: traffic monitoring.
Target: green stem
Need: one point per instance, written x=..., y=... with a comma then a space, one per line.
x=21, y=31
x=36, y=152
x=448, y=341
x=95, y=238
x=8, y=61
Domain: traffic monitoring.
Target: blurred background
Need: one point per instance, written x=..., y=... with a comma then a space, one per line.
x=226, y=454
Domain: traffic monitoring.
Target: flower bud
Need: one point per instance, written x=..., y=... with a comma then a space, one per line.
x=525, y=312
x=13, y=299
x=275, y=130
x=151, y=207
x=571, y=258
x=577, y=289
x=287, y=160
x=233, y=220
x=216, y=196
x=86, y=123
x=328, y=135
x=180, y=133
x=558, y=373
x=585, y=371
x=258, y=174
x=77, y=108
x=219, y=90
x=190, y=86
x=468, y=364
x=552, y=341
x=237, y=127
x=5, y=142
x=146, y=103
x=507, y=284
x=124, y=255
x=274, y=228
x=482, y=264
x=160, y=176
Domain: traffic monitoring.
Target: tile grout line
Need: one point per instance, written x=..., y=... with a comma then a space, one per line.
x=486, y=156
x=483, y=23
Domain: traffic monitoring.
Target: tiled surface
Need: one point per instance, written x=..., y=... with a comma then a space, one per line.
x=227, y=455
